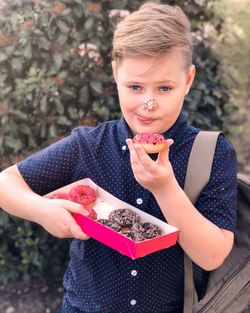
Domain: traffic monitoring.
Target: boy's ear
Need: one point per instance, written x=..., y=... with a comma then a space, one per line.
x=190, y=78
x=114, y=69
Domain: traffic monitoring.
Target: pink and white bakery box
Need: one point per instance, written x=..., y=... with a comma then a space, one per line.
x=106, y=203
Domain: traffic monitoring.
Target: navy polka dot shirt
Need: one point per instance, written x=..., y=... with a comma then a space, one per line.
x=98, y=278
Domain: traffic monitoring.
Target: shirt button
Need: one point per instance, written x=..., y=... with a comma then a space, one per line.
x=124, y=148
x=133, y=302
x=134, y=273
x=139, y=201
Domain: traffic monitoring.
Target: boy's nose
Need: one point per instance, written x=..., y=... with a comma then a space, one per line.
x=149, y=105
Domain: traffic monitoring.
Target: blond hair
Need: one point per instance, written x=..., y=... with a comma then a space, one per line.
x=153, y=30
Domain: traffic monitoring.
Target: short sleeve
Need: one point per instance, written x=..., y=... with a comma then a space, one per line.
x=218, y=200
x=52, y=167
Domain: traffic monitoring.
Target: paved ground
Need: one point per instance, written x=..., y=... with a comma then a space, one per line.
x=33, y=299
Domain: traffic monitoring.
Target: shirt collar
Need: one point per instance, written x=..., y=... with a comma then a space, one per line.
x=124, y=132
x=177, y=129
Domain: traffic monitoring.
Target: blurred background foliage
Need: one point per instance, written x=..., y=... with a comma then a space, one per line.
x=55, y=74
x=232, y=45
x=55, y=70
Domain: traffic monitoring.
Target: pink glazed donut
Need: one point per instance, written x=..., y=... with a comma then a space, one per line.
x=152, y=143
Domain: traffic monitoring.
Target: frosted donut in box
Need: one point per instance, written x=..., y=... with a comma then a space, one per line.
x=152, y=143
x=104, y=205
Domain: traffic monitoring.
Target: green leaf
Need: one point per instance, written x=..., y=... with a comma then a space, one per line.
x=44, y=44
x=32, y=142
x=68, y=93
x=43, y=131
x=62, y=38
x=17, y=64
x=44, y=104
x=7, y=90
x=10, y=50
x=53, y=71
x=62, y=120
x=53, y=131
x=4, y=120
x=84, y=94
x=58, y=59
x=66, y=12
x=100, y=110
x=78, y=10
x=72, y=112
x=29, y=96
x=38, y=32
x=209, y=100
x=15, y=144
x=59, y=106
x=89, y=23
x=3, y=57
x=63, y=26
x=96, y=86
x=25, y=129
x=28, y=51
x=3, y=77
x=21, y=115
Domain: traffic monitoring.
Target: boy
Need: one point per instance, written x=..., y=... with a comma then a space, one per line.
x=152, y=67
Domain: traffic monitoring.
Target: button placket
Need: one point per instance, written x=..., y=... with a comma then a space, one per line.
x=133, y=272
x=134, y=286
x=139, y=201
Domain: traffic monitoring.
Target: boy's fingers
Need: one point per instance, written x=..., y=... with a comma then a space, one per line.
x=129, y=142
x=77, y=232
x=134, y=157
x=76, y=208
x=162, y=155
x=169, y=143
x=136, y=151
x=131, y=146
x=146, y=162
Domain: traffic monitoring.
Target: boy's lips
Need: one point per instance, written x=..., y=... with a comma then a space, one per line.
x=145, y=120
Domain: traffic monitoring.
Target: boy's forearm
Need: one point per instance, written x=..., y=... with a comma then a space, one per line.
x=16, y=198
x=54, y=216
x=202, y=240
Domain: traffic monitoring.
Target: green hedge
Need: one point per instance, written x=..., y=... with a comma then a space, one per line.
x=27, y=252
x=54, y=75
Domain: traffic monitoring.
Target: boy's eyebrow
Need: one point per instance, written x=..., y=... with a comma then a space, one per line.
x=167, y=81
x=162, y=82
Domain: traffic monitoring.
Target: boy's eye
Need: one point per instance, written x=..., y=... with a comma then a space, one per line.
x=165, y=88
x=135, y=87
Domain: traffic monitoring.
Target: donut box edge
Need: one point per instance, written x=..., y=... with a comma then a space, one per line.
x=105, y=203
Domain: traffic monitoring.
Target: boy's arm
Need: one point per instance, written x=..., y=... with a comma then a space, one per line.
x=16, y=198
x=205, y=243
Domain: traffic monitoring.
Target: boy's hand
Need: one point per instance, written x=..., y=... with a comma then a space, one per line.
x=152, y=175
x=57, y=218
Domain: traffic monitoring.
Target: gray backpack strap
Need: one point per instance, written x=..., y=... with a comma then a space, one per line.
x=197, y=176
x=190, y=295
x=200, y=163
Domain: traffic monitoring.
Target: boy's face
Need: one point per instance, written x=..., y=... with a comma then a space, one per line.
x=163, y=79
